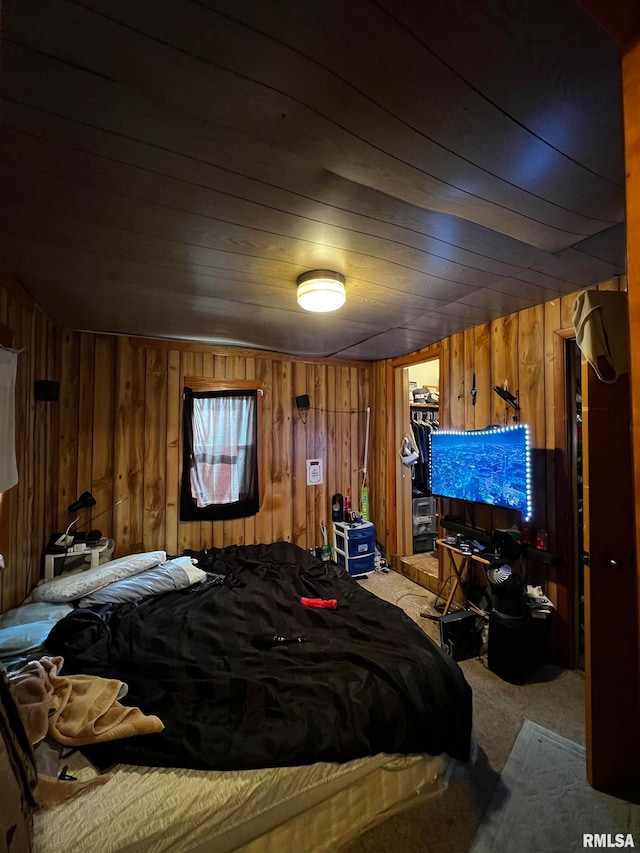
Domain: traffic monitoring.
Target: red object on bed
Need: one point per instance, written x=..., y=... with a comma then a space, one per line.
x=326, y=603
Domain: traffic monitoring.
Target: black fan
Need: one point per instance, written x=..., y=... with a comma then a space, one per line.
x=507, y=591
x=499, y=575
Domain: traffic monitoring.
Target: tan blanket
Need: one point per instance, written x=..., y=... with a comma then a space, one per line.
x=74, y=709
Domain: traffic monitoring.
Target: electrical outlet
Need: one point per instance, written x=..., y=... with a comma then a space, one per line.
x=1, y=561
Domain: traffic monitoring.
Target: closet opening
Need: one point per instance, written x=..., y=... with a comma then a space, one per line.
x=419, y=405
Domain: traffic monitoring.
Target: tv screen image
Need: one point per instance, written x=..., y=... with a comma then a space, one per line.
x=490, y=466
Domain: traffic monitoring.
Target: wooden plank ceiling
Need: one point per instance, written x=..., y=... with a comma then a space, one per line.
x=170, y=168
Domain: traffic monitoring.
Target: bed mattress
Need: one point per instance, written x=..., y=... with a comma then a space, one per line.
x=318, y=807
x=359, y=680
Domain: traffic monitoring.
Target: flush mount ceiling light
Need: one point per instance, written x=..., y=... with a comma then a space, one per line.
x=321, y=290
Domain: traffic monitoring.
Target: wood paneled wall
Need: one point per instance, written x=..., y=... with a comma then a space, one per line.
x=120, y=437
x=26, y=510
x=527, y=350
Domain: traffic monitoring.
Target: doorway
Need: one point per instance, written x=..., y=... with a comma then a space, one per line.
x=417, y=416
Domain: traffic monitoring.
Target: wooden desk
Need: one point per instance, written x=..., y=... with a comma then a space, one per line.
x=461, y=572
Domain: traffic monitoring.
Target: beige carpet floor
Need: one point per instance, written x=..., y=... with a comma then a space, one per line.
x=554, y=698
x=545, y=778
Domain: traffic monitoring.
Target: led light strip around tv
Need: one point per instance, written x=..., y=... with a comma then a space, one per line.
x=526, y=511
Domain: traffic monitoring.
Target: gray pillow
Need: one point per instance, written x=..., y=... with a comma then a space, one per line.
x=24, y=629
x=41, y=611
x=171, y=575
x=22, y=639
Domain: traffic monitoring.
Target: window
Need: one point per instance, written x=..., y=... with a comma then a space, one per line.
x=220, y=452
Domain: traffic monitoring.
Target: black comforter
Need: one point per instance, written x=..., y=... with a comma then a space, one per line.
x=367, y=680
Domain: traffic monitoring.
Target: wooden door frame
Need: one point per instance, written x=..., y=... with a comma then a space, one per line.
x=560, y=494
x=403, y=474
x=6, y=340
x=394, y=435
x=631, y=101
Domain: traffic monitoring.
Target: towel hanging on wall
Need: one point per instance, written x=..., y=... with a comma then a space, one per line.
x=601, y=321
x=8, y=467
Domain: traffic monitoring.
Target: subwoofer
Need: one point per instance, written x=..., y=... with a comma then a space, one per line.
x=460, y=634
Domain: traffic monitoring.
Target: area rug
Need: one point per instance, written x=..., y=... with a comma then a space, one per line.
x=543, y=802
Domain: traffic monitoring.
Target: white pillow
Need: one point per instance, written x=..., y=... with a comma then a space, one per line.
x=77, y=586
x=178, y=573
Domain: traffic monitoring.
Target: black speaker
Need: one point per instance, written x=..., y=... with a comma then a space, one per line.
x=507, y=543
x=302, y=402
x=460, y=634
x=457, y=526
x=516, y=646
x=337, y=507
x=46, y=389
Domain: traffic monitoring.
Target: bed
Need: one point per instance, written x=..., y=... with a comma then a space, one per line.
x=316, y=808
x=357, y=714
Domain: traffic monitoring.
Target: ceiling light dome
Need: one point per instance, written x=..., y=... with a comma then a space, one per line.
x=321, y=290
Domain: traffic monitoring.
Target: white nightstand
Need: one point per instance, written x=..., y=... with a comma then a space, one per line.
x=91, y=556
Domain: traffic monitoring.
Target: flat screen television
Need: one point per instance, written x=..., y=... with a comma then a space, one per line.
x=490, y=466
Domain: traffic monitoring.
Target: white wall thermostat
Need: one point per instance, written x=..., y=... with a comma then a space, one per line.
x=314, y=472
